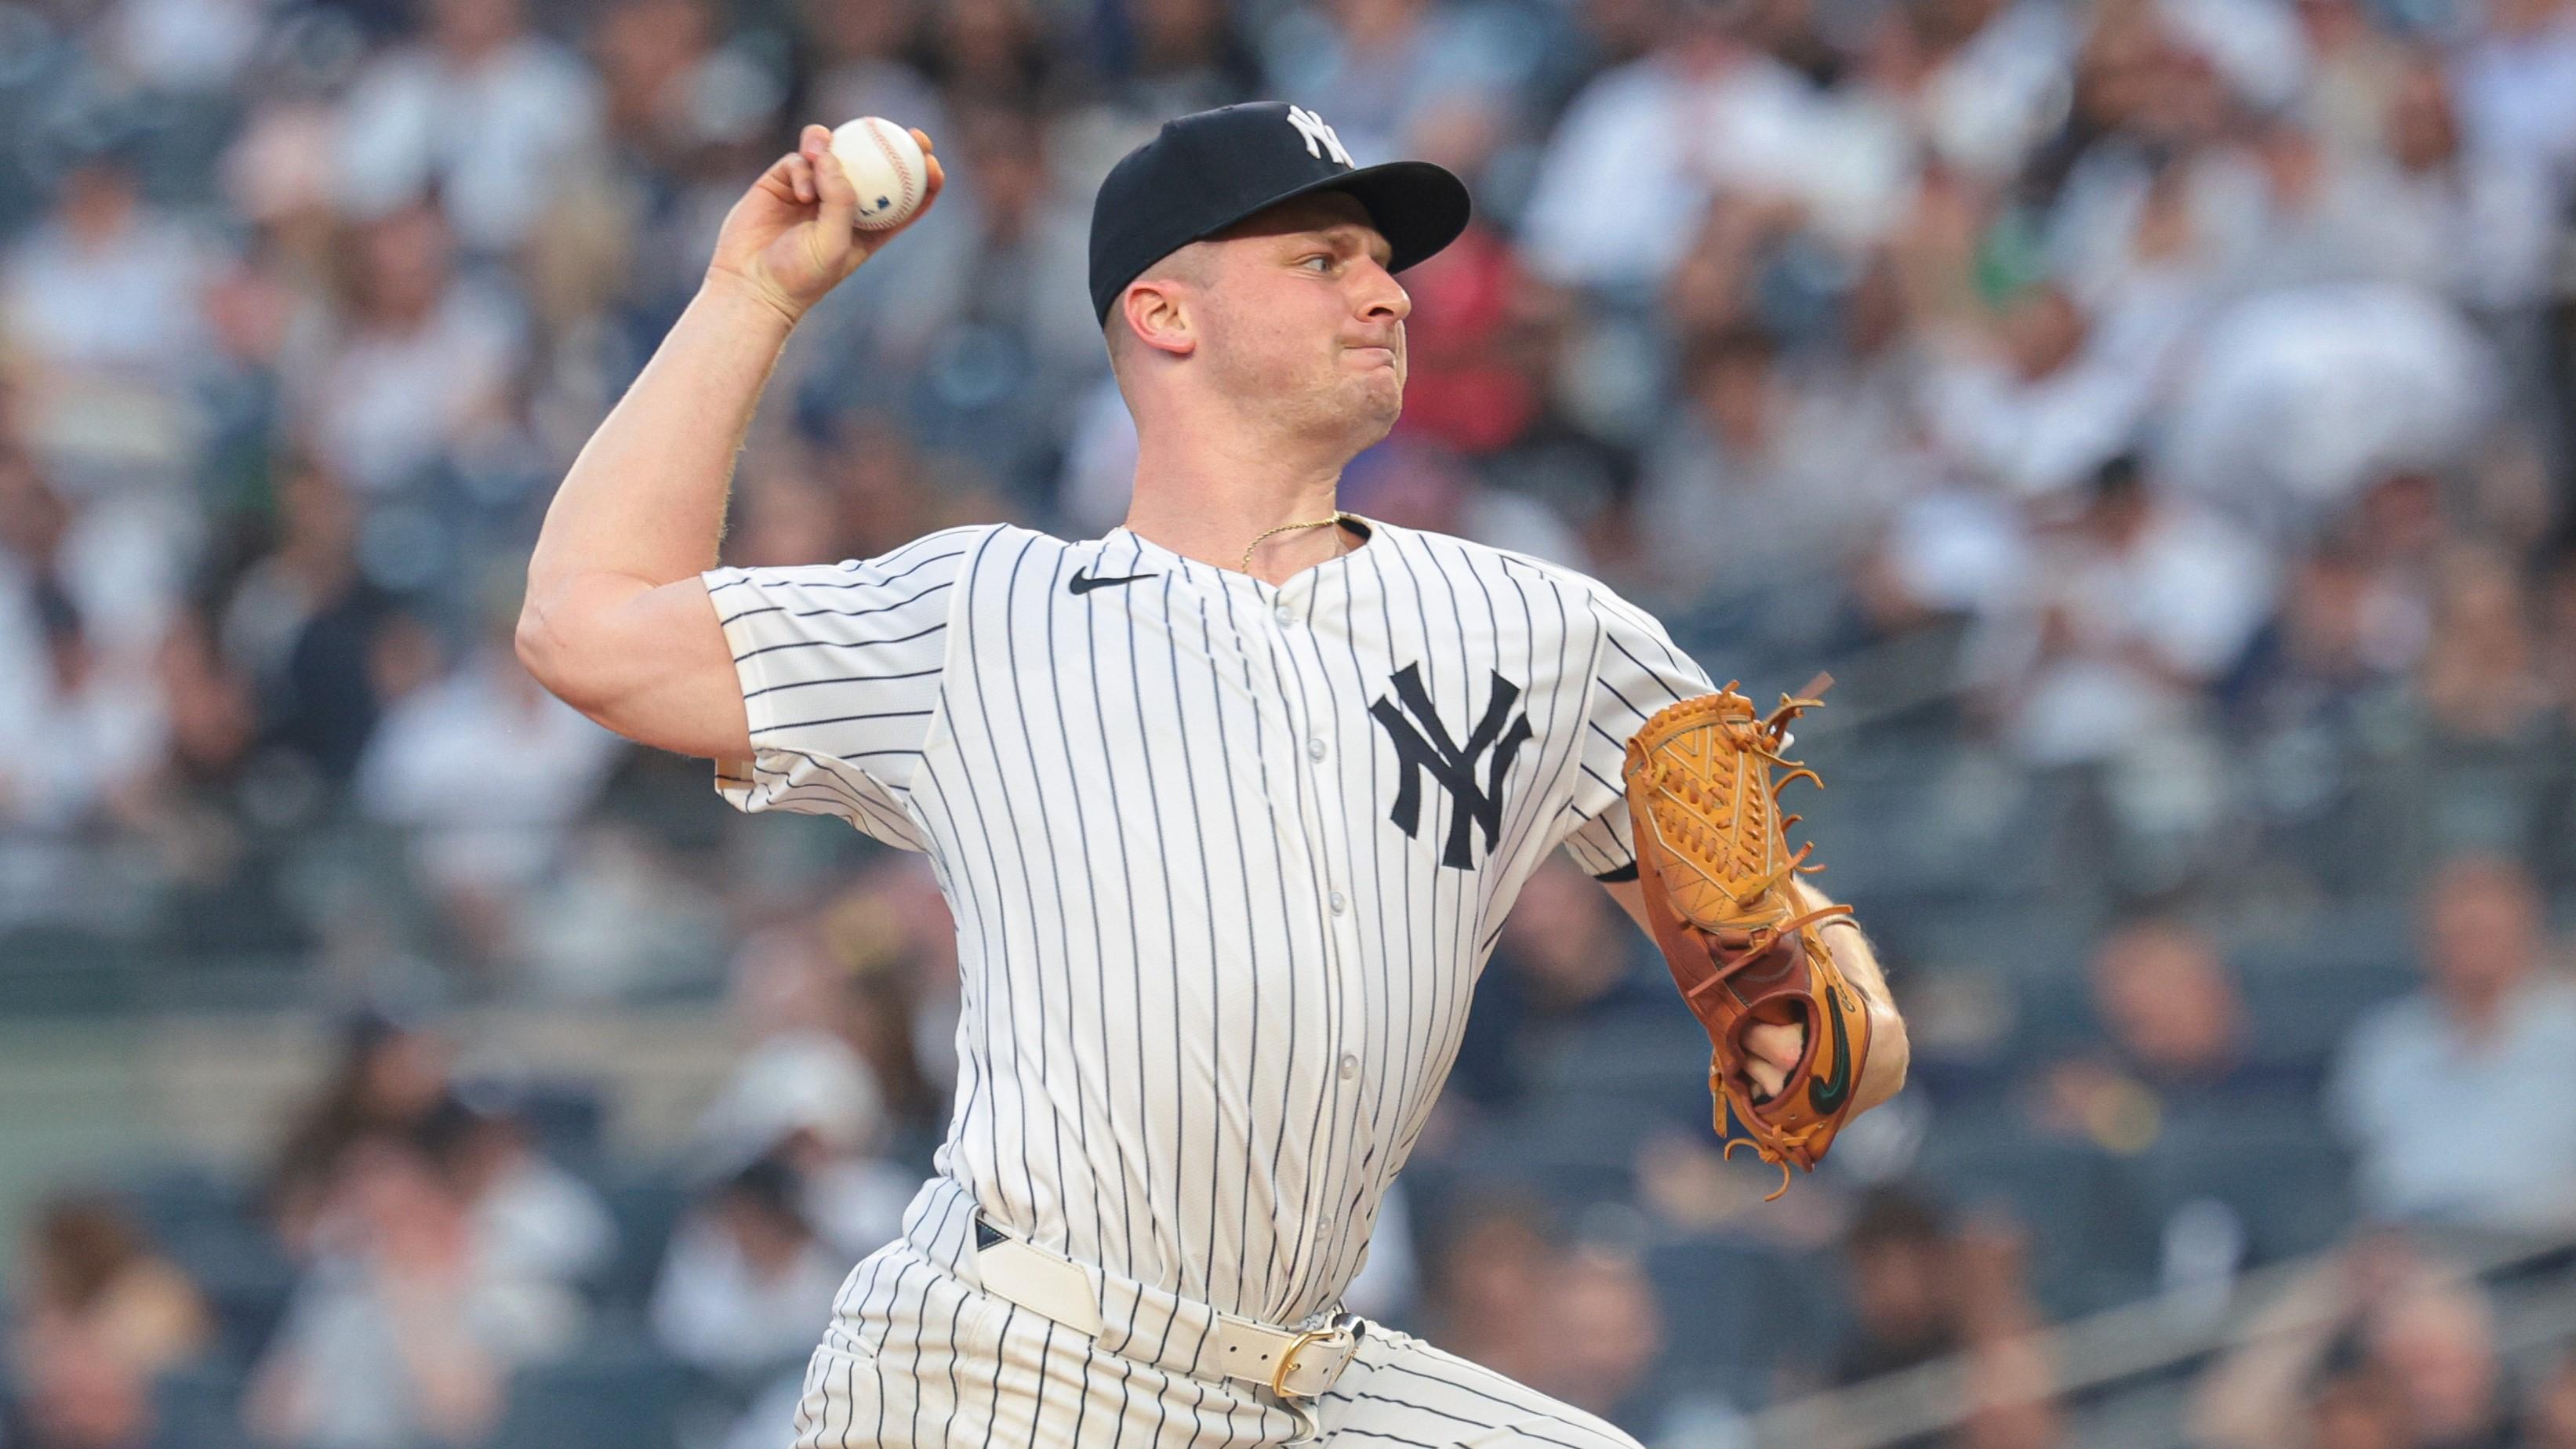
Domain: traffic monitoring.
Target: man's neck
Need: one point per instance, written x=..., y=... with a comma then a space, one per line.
x=2477, y=1014
x=1211, y=506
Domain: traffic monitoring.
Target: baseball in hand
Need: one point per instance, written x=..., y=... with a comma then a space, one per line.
x=885, y=167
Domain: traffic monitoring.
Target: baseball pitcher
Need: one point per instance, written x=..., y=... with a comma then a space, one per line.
x=1229, y=805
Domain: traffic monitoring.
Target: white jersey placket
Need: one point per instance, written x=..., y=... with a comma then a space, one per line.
x=1299, y=622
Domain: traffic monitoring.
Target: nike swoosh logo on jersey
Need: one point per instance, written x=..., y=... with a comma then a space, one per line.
x=1082, y=583
x=1827, y=1096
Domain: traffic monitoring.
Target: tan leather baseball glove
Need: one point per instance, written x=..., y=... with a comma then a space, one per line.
x=1703, y=780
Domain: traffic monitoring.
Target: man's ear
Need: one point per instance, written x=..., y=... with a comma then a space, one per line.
x=1158, y=317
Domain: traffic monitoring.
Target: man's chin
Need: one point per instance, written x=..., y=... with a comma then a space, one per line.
x=1381, y=406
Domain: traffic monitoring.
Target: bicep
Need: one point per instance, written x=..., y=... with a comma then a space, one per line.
x=649, y=662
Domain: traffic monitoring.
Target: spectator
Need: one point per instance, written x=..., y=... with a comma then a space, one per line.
x=2136, y=606
x=2298, y=404
x=403, y=1330
x=480, y=112
x=808, y=1101
x=102, y=306
x=2354, y=64
x=115, y=560
x=84, y=707
x=489, y=773
x=1487, y=1278
x=2480, y=681
x=1923, y=1291
x=1612, y=1328
x=2011, y=1383
x=2437, y=1347
x=747, y=1284
x=869, y=62
x=305, y=622
x=1895, y=1250
x=1175, y=57
x=2493, y=1024
x=1416, y=483
x=2550, y=1421
x=204, y=808
x=2175, y=1032
x=2476, y=226
x=422, y=363
x=992, y=325
x=1739, y=461
x=390, y=1076
x=2516, y=75
x=1702, y=112
x=1377, y=68
x=531, y=1219
x=991, y=49
x=100, y=1316
x=1565, y=961
x=2045, y=398
x=2379, y=1346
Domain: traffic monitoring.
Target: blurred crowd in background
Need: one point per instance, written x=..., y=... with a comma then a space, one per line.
x=2158, y=413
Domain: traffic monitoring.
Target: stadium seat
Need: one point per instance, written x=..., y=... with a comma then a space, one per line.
x=1636, y=1052
x=1570, y=1153
x=2279, y=1170
x=1732, y=1309
x=198, y=1406
x=174, y=1197
x=248, y=1287
x=56, y=971
x=206, y=1225
x=646, y=1207
x=2299, y=1016
x=2092, y=1243
x=619, y=1394
x=567, y=1118
x=2378, y=935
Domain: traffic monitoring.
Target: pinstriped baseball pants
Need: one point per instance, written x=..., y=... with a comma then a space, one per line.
x=917, y=1356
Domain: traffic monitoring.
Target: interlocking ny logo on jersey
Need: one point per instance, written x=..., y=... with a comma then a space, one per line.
x=1422, y=746
x=1320, y=139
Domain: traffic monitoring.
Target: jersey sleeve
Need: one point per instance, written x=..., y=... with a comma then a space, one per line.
x=840, y=669
x=1636, y=670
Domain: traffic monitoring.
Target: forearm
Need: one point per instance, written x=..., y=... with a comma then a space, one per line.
x=1891, y=1052
x=645, y=501
x=638, y=517
x=1859, y=966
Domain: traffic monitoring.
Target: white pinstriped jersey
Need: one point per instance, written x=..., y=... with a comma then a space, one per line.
x=1225, y=858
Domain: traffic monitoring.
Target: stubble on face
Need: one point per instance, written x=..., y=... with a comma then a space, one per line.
x=1288, y=337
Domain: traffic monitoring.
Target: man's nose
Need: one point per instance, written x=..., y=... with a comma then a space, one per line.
x=1385, y=297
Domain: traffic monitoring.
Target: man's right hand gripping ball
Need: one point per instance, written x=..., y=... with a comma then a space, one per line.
x=792, y=237
x=1745, y=941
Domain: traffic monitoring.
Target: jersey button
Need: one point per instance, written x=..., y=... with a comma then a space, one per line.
x=1350, y=1066
x=1315, y=749
x=1282, y=615
x=1338, y=902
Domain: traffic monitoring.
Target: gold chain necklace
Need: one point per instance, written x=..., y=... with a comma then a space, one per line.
x=1291, y=528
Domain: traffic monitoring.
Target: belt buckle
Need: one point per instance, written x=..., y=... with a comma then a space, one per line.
x=1288, y=1359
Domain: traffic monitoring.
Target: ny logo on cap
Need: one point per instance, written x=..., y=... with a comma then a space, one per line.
x=1319, y=137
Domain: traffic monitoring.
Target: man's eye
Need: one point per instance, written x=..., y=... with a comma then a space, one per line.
x=1323, y=257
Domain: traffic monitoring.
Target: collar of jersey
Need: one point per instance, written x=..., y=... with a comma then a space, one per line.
x=1148, y=549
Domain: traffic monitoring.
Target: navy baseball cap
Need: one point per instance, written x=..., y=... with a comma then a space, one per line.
x=1208, y=170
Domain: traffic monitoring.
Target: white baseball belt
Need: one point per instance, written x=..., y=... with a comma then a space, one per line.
x=1292, y=1363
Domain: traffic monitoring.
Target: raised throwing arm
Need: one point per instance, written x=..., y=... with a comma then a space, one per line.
x=616, y=621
